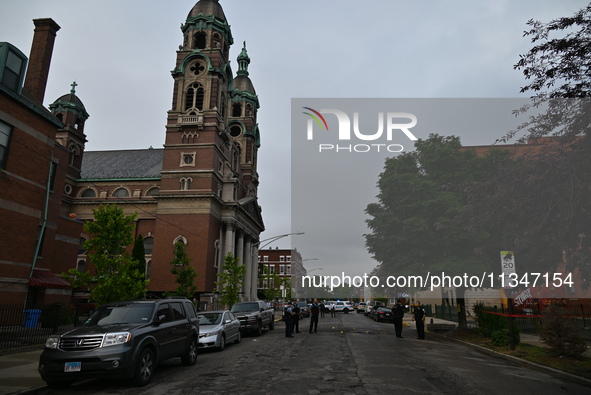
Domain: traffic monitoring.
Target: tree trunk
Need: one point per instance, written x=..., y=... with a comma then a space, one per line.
x=461, y=302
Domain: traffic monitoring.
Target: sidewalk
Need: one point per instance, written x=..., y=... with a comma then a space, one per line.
x=18, y=372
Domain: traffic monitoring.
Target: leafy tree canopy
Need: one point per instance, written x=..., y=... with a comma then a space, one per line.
x=115, y=276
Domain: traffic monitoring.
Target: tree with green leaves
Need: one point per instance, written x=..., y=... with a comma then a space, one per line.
x=184, y=272
x=231, y=278
x=115, y=276
x=139, y=254
x=542, y=206
x=415, y=225
x=273, y=282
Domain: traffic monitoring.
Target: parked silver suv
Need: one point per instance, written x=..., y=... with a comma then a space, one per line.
x=125, y=339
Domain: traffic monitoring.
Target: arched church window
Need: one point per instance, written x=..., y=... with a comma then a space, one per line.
x=223, y=105
x=88, y=193
x=153, y=192
x=81, y=249
x=194, y=97
x=217, y=40
x=236, y=110
x=185, y=183
x=148, y=245
x=73, y=154
x=121, y=192
x=200, y=40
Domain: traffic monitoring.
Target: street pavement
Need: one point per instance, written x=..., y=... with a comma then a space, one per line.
x=18, y=372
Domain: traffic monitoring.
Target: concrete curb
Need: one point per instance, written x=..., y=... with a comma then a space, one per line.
x=518, y=361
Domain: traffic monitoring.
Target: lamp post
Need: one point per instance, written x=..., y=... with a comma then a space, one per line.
x=272, y=239
x=259, y=246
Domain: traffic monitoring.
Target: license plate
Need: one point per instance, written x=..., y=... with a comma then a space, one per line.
x=73, y=367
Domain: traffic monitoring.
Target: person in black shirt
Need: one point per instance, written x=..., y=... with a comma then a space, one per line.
x=398, y=312
x=296, y=317
x=418, y=316
x=314, y=312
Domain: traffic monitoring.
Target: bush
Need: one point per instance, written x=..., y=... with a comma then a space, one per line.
x=559, y=333
x=493, y=325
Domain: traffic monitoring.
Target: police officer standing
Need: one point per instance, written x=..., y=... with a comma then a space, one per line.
x=398, y=312
x=314, y=312
x=296, y=316
x=288, y=318
x=418, y=316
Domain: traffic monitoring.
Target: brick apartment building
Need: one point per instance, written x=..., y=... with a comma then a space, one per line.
x=201, y=188
x=280, y=269
x=39, y=163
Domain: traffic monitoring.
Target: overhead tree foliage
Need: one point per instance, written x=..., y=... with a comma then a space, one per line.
x=115, y=276
x=184, y=272
x=542, y=207
x=415, y=226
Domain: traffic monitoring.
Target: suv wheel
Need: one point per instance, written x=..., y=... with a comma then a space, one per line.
x=190, y=356
x=145, y=368
x=346, y=311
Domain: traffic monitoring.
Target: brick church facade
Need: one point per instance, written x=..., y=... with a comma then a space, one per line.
x=200, y=188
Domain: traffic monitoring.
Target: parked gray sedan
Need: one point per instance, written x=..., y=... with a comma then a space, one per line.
x=217, y=328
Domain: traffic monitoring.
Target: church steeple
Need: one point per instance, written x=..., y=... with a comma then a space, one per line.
x=243, y=61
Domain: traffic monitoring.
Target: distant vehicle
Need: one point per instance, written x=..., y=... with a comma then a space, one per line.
x=126, y=339
x=254, y=316
x=304, y=309
x=382, y=314
x=217, y=328
x=328, y=305
x=371, y=305
x=361, y=307
x=344, y=307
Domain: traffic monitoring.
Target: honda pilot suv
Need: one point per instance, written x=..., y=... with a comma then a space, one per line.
x=126, y=339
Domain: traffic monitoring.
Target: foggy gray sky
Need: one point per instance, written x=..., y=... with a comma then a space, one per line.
x=121, y=52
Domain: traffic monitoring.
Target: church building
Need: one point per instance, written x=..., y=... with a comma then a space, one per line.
x=200, y=188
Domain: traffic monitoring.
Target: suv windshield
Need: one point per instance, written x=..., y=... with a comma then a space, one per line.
x=237, y=308
x=121, y=314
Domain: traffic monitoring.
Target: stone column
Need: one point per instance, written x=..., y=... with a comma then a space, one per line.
x=254, y=279
x=247, y=287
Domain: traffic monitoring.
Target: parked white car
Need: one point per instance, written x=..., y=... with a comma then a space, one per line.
x=343, y=306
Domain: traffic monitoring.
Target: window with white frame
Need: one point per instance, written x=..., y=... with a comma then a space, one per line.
x=281, y=269
x=265, y=258
x=288, y=258
x=281, y=258
x=288, y=269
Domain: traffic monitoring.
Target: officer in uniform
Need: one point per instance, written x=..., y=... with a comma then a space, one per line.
x=296, y=316
x=398, y=312
x=418, y=316
x=314, y=312
x=288, y=318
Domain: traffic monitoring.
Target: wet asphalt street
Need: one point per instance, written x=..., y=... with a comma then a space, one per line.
x=350, y=354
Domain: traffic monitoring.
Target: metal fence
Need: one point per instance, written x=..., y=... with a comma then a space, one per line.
x=21, y=327
x=528, y=319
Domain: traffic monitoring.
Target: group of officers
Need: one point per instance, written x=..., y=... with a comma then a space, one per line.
x=291, y=316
